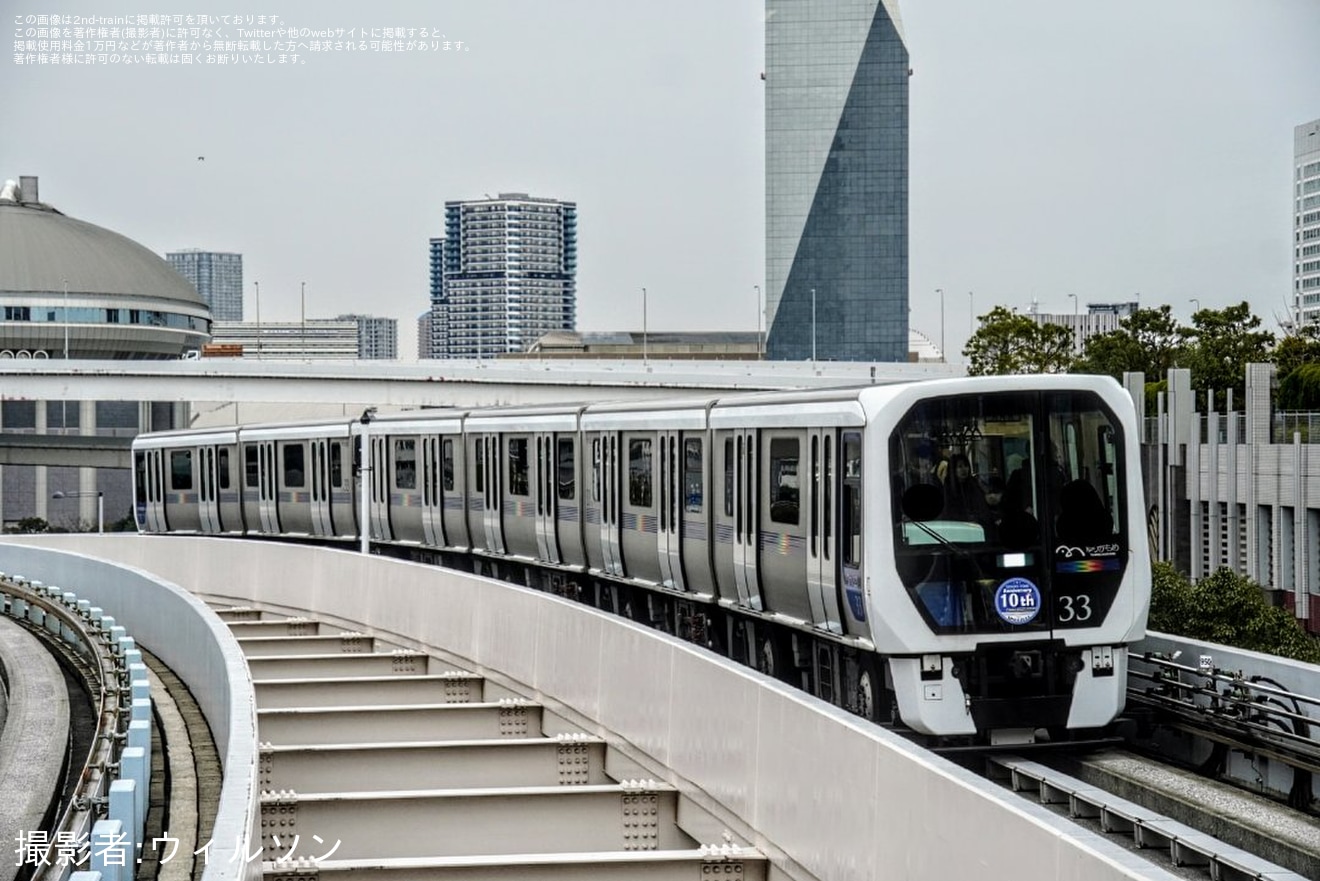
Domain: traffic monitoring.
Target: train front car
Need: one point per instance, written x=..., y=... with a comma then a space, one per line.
x=1019, y=567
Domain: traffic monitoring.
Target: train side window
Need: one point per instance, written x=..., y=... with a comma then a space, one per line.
x=852, y=500
x=827, y=506
x=639, y=472
x=181, y=469
x=782, y=488
x=250, y=469
x=405, y=463
x=294, y=472
x=223, y=458
x=447, y=463
x=519, y=467
x=567, y=461
x=693, y=483
x=595, y=470
x=479, y=464
x=140, y=470
x=729, y=477
x=337, y=464
x=815, y=484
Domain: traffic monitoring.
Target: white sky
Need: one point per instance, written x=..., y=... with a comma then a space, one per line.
x=1098, y=148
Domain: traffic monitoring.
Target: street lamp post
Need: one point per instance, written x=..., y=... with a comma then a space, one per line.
x=813, y=327
x=760, y=318
x=1077, y=330
x=943, y=357
x=644, y=352
x=971, y=315
x=302, y=294
x=66, y=320
x=100, y=504
x=1196, y=304
x=257, y=285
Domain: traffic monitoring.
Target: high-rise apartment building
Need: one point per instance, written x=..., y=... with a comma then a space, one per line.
x=508, y=275
x=217, y=276
x=429, y=347
x=424, y=336
x=836, y=180
x=378, y=338
x=1306, y=223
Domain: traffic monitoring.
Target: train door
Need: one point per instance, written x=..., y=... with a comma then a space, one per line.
x=694, y=480
x=568, y=505
x=491, y=500
x=518, y=503
x=208, y=503
x=151, y=497
x=669, y=525
x=378, y=504
x=322, y=515
x=609, y=521
x=819, y=498
x=251, y=487
x=593, y=500
x=475, y=455
x=725, y=462
x=343, y=512
x=547, y=538
x=849, y=544
x=433, y=527
x=745, y=515
x=452, y=495
x=267, y=507
x=638, y=524
x=405, y=491
x=782, y=522
x=231, y=509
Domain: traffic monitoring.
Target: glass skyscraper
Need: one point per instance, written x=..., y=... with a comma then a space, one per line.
x=508, y=275
x=836, y=119
x=218, y=277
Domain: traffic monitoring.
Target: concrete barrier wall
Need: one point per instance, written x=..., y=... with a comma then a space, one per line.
x=174, y=625
x=824, y=794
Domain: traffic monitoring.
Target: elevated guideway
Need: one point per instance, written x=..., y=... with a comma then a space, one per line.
x=812, y=791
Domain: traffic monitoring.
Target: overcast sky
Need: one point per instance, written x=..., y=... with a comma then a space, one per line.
x=1106, y=149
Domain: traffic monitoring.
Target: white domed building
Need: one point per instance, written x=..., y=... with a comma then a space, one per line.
x=71, y=289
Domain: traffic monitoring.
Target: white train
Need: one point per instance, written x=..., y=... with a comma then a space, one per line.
x=967, y=556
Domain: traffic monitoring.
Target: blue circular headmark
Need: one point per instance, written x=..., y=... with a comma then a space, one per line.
x=1017, y=601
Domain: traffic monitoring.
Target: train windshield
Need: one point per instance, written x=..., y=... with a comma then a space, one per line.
x=1009, y=510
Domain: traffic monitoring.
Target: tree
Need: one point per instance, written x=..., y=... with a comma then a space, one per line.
x=1007, y=342
x=1220, y=345
x=1147, y=341
x=1300, y=389
x=1229, y=609
x=1296, y=350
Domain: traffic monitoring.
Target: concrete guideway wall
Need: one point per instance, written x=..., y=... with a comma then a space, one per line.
x=822, y=793
x=178, y=628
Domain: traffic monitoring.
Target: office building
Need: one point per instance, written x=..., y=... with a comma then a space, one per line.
x=1098, y=318
x=217, y=276
x=836, y=172
x=316, y=339
x=1306, y=223
x=378, y=338
x=508, y=275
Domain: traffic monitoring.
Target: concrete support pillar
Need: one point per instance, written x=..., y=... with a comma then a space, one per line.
x=40, y=489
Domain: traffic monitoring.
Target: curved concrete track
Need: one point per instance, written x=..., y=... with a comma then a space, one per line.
x=34, y=736
x=819, y=793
